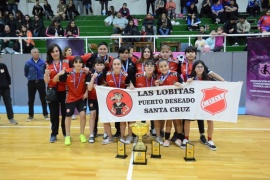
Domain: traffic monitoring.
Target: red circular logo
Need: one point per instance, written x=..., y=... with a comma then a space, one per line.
x=119, y=102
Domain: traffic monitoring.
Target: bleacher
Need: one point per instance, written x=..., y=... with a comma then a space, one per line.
x=94, y=26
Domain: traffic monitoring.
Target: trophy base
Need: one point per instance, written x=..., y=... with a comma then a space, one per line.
x=156, y=156
x=189, y=159
x=139, y=157
x=121, y=156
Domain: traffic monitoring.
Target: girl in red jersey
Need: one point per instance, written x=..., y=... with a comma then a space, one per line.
x=147, y=54
x=199, y=73
x=115, y=78
x=54, y=65
x=166, y=78
x=95, y=79
x=76, y=97
x=166, y=54
x=147, y=79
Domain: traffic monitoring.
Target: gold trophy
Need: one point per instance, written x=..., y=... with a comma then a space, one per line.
x=139, y=150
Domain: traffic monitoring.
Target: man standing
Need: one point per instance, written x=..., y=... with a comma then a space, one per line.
x=34, y=70
x=5, y=83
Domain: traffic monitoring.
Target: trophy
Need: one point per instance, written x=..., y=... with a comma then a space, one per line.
x=139, y=150
x=121, y=150
x=155, y=150
x=189, y=152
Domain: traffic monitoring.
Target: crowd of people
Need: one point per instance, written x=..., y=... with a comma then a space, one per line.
x=79, y=75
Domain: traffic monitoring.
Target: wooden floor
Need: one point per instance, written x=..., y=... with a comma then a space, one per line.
x=25, y=153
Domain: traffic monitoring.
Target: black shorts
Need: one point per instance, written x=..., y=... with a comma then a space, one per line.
x=70, y=107
x=92, y=104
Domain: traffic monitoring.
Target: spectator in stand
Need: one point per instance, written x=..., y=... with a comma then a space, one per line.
x=124, y=11
x=231, y=28
x=38, y=27
x=5, y=84
x=265, y=4
x=170, y=8
x=193, y=22
x=206, y=8
x=152, y=4
x=231, y=10
x=119, y=24
x=131, y=29
x=160, y=8
x=164, y=25
x=253, y=8
x=2, y=22
x=71, y=11
x=111, y=13
x=225, y=3
x=78, y=3
x=218, y=12
x=48, y=10
x=27, y=44
x=148, y=25
x=7, y=42
x=192, y=9
x=264, y=22
x=243, y=27
x=3, y=7
x=61, y=10
x=200, y=43
x=219, y=39
x=72, y=30
x=12, y=22
x=102, y=3
x=28, y=21
x=88, y=5
x=189, y=2
x=38, y=10
x=19, y=18
x=183, y=7
x=12, y=5
x=55, y=29
x=211, y=41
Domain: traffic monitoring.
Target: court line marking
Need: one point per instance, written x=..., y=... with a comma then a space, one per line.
x=77, y=127
x=130, y=167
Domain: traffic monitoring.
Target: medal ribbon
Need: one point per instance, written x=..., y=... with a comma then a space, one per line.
x=119, y=81
x=162, y=78
x=74, y=79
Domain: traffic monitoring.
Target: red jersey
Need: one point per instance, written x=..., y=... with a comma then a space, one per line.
x=170, y=79
x=187, y=67
x=173, y=64
x=114, y=80
x=139, y=67
x=55, y=69
x=84, y=57
x=75, y=83
x=98, y=81
x=143, y=81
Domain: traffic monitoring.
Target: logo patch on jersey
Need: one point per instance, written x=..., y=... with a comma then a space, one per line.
x=119, y=102
x=214, y=100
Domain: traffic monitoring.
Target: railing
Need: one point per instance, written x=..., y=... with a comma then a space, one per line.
x=86, y=38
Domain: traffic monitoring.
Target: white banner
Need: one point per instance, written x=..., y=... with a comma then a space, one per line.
x=206, y=100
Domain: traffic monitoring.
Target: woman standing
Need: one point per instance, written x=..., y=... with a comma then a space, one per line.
x=54, y=65
x=199, y=73
x=27, y=44
x=147, y=54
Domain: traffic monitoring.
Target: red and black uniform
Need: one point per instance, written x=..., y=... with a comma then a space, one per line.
x=75, y=82
x=143, y=81
x=170, y=78
x=116, y=80
x=174, y=65
x=139, y=67
x=61, y=98
x=187, y=67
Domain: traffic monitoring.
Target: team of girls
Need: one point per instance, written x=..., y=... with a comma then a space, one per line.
x=121, y=72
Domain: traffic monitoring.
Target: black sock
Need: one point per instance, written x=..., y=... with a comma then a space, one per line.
x=167, y=135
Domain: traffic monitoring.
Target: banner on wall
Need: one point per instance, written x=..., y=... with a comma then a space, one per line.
x=208, y=100
x=258, y=77
x=77, y=45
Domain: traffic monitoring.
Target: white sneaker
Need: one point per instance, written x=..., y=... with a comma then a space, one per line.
x=166, y=143
x=122, y=140
x=153, y=132
x=73, y=117
x=178, y=142
x=184, y=144
x=107, y=141
x=210, y=144
x=159, y=140
x=129, y=140
x=91, y=139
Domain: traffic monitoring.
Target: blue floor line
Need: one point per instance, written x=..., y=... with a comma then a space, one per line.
x=38, y=109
